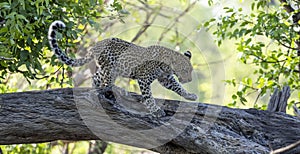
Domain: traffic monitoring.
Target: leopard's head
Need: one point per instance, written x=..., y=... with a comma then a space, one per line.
x=182, y=67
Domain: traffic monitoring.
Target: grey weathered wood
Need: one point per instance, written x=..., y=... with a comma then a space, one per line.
x=279, y=98
x=296, y=109
x=41, y=116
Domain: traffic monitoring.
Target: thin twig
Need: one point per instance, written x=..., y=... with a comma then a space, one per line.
x=284, y=149
x=171, y=25
x=257, y=97
x=296, y=110
x=5, y=58
x=215, y=62
x=146, y=24
x=147, y=8
x=286, y=45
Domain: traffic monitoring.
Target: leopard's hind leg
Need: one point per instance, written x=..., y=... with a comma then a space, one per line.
x=102, y=78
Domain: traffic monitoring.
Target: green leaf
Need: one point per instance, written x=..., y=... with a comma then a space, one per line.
x=206, y=24
x=248, y=41
x=116, y=5
x=22, y=2
x=19, y=16
x=249, y=81
x=5, y=55
x=243, y=100
x=234, y=96
x=261, y=83
x=11, y=16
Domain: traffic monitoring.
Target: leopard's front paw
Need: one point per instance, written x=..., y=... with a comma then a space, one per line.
x=191, y=97
x=153, y=108
x=158, y=113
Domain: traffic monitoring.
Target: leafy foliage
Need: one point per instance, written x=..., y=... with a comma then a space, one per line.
x=268, y=38
x=24, y=47
x=26, y=148
x=23, y=29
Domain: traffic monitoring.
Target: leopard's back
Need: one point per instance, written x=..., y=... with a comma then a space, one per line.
x=118, y=55
x=124, y=58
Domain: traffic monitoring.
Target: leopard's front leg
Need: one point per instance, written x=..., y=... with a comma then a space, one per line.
x=169, y=82
x=148, y=100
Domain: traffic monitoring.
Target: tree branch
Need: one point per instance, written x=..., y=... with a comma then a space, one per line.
x=287, y=148
x=296, y=18
x=278, y=101
x=146, y=23
x=116, y=116
x=172, y=24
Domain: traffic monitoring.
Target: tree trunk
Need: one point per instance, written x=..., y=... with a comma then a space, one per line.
x=117, y=116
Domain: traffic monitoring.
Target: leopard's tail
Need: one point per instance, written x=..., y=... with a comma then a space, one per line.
x=58, y=52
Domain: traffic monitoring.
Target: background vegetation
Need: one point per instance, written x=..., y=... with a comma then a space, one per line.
x=250, y=46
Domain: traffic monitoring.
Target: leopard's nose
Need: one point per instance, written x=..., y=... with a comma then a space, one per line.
x=184, y=81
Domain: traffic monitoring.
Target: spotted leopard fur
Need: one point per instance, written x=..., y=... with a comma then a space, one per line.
x=116, y=57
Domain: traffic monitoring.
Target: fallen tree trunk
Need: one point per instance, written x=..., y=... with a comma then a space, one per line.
x=92, y=114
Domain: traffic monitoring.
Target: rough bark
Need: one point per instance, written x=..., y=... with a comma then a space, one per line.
x=278, y=101
x=88, y=114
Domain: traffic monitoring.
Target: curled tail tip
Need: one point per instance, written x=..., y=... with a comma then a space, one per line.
x=53, y=27
x=58, y=23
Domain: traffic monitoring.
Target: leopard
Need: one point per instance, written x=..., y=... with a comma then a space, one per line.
x=115, y=57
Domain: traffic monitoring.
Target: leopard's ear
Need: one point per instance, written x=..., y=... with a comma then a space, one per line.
x=188, y=54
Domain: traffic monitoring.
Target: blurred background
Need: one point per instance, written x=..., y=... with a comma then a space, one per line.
x=216, y=33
